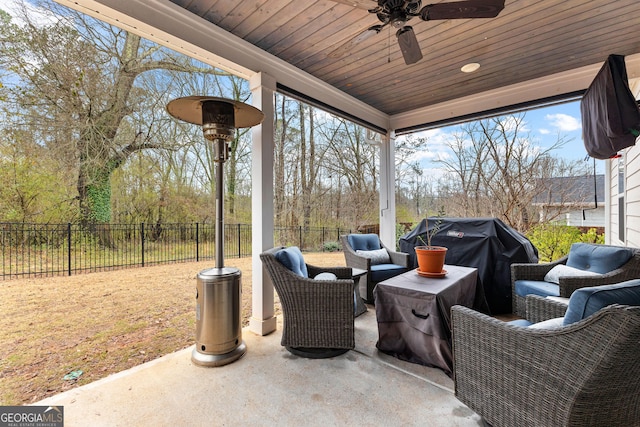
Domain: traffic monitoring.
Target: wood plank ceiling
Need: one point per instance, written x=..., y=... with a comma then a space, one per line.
x=528, y=40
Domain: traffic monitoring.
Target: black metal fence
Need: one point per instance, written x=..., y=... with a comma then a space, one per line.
x=31, y=250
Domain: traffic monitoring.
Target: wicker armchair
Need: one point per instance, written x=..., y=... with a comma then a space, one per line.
x=566, y=286
x=583, y=374
x=540, y=309
x=376, y=272
x=318, y=314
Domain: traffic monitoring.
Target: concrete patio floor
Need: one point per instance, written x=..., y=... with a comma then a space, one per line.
x=269, y=386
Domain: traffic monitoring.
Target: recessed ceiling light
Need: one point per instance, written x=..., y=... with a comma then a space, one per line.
x=470, y=67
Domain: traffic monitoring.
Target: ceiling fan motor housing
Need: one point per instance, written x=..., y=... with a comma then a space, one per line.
x=397, y=12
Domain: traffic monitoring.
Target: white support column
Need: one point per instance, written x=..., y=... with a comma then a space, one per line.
x=263, y=320
x=388, y=191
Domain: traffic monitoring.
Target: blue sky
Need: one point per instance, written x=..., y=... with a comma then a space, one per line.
x=544, y=127
x=543, y=124
x=546, y=123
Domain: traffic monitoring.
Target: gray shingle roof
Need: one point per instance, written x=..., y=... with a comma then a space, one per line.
x=570, y=190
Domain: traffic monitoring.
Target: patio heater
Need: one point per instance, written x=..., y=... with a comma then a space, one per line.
x=218, y=289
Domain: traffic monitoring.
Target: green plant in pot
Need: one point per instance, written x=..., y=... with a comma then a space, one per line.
x=431, y=258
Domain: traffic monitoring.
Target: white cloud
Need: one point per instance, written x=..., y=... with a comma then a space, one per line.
x=9, y=6
x=418, y=156
x=436, y=146
x=431, y=134
x=433, y=174
x=38, y=15
x=513, y=122
x=544, y=131
x=563, y=122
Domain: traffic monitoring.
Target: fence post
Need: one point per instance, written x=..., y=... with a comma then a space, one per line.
x=197, y=242
x=69, y=245
x=239, y=241
x=142, y=240
x=300, y=237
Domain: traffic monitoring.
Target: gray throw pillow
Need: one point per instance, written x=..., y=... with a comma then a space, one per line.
x=378, y=256
x=555, y=323
x=561, y=270
x=325, y=276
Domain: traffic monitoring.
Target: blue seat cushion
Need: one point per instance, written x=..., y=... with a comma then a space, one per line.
x=380, y=272
x=536, y=287
x=292, y=258
x=597, y=258
x=364, y=242
x=586, y=301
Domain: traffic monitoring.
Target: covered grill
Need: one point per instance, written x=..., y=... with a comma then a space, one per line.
x=487, y=244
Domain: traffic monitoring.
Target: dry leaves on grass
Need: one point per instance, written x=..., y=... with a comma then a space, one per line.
x=100, y=323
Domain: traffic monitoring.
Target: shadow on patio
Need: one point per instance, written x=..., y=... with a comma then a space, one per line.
x=270, y=386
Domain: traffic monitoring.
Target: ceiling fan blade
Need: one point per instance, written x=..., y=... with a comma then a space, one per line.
x=360, y=4
x=462, y=10
x=349, y=45
x=409, y=45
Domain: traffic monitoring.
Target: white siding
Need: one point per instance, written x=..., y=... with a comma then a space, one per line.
x=632, y=196
x=632, y=199
x=592, y=217
x=612, y=230
x=632, y=185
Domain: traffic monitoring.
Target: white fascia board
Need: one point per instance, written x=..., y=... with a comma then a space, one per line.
x=532, y=90
x=171, y=25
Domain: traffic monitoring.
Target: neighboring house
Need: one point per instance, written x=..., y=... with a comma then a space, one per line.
x=573, y=200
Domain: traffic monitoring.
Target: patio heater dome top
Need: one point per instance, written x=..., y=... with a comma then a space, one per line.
x=189, y=109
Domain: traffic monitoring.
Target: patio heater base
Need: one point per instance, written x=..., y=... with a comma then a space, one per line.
x=218, y=317
x=209, y=360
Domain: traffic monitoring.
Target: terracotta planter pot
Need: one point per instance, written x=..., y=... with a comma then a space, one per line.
x=430, y=258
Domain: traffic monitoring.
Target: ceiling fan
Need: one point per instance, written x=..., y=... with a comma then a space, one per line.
x=398, y=12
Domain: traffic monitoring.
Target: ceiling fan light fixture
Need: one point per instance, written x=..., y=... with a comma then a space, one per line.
x=470, y=67
x=409, y=45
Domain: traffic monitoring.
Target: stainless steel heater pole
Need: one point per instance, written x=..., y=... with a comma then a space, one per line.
x=218, y=290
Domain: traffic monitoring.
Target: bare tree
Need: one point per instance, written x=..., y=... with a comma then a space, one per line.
x=308, y=169
x=77, y=83
x=495, y=167
x=413, y=179
x=353, y=159
x=285, y=134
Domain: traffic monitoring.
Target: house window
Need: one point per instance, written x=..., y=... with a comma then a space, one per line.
x=621, y=207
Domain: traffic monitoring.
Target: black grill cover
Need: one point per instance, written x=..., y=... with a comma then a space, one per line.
x=487, y=244
x=610, y=114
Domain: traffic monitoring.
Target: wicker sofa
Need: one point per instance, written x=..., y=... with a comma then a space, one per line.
x=318, y=312
x=571, y=371
x=605, y=260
